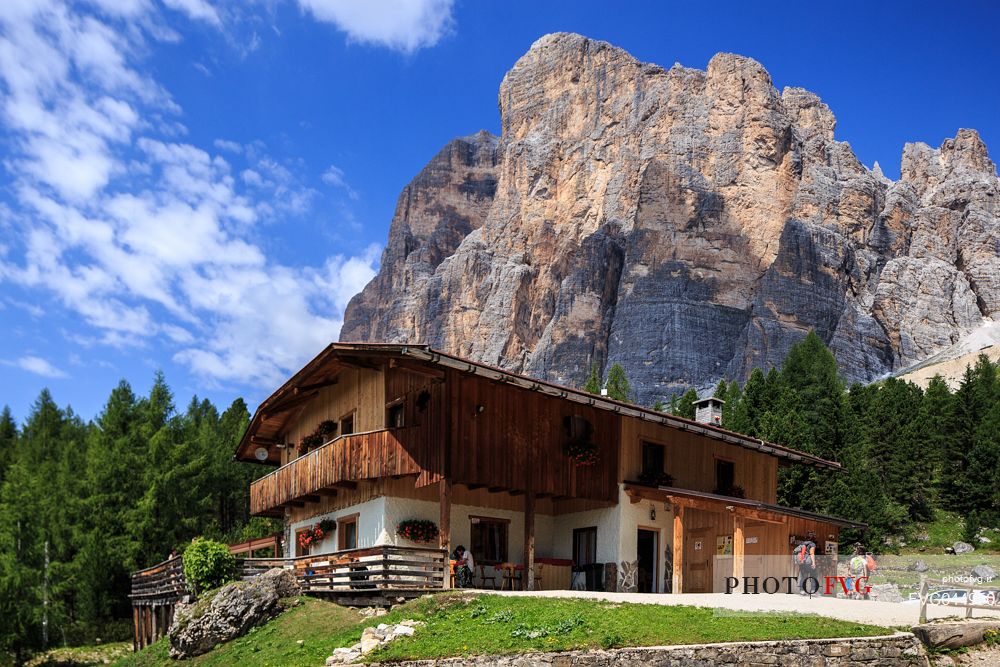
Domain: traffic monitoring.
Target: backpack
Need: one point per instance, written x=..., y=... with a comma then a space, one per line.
x=802, y=556
x=857, y=566
x=870, y=563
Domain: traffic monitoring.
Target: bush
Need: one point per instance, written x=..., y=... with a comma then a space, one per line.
x=208, y=564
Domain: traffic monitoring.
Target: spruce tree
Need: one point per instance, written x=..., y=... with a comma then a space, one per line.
x=593, y=384
x=982, y=496
x=8, y=440
x=617, y=384
x=685, y=404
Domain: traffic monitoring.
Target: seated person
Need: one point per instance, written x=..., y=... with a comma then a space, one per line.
x=464, y=565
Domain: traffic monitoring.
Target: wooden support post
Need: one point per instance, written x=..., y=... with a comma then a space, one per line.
x=529, y=541
x=739, y=549
x=678, y=549
x=444, y=534
x=135, y=628
x=923, y=598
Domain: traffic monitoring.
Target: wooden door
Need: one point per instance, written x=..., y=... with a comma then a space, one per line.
x=699, y=550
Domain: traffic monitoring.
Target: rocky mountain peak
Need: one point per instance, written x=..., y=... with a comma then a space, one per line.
x=689, y=224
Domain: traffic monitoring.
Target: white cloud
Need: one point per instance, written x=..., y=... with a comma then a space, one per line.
x=147, y=239
x=38, y=366
x=196, y=9
x=230, y=146
x=334, y=176
x=403, y=25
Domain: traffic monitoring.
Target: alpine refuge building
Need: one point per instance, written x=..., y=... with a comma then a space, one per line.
x=545, y=485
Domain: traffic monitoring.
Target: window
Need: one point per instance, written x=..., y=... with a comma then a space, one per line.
x=396, y=415
x=652, y=460
x=302, y=551
x=347, y=424
x=489, y=540
x=725, y=476
x=585, y=546
x=347, y=532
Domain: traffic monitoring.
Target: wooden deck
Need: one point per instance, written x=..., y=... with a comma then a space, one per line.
x=372, y=577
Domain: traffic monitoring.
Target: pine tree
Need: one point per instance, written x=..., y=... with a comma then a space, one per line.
x=685, y=404
x=593, y=384
x=8, y=440
x=896, y=446
x=753, y=404
x=936, y=424
x=731, y=408
x=617, y=384
x=982, y=497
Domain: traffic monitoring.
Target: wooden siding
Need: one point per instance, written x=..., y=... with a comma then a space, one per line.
x=690, y=458
x=516, y=442
x=357, y=389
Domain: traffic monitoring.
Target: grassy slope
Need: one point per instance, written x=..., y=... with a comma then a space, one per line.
x=484, y=624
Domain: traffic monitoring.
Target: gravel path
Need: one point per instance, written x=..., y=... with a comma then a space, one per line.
x=886, y=614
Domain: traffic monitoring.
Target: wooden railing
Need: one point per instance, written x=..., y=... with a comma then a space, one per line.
x=348, y=458
x=373, y=570
x=162, y=583
x=977, y=596
x=272, y=542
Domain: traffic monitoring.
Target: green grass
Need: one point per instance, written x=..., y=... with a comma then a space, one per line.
x=274, y=644
x=943, y=531
x=489, y=624
x=458, y=624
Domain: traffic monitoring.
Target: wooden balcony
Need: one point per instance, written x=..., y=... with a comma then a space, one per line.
x=345, y=461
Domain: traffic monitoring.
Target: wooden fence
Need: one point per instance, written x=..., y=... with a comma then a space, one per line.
x=375, y=576
x=155, y=594
x=371, y=576
x=989, y=596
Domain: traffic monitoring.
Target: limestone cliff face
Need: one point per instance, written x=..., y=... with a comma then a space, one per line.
x=688, y=224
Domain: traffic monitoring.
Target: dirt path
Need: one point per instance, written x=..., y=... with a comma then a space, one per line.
x=885, y=614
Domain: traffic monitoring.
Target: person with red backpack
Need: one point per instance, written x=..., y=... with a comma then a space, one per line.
x=805, y=559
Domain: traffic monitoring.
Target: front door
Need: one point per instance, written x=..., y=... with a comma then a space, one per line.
x=699, y=548
x=647, y=541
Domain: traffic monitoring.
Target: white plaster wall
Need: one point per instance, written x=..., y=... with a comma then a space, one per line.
x=372, y=527
x=605, y=519
x=399, y=509
x=631, y=516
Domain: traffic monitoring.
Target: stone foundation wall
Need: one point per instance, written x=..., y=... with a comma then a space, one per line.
x=892, y=651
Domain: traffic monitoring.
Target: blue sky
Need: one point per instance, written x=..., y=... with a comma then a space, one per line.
x=199, y=186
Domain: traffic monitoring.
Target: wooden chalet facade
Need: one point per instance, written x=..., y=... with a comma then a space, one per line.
x=420, y=434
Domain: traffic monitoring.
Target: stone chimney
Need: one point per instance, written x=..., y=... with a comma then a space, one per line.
x=709, y=411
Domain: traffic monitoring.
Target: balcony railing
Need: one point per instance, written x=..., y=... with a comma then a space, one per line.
x=346, y=459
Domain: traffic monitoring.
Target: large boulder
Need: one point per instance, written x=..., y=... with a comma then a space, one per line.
x=963, y=548
x=229, y=613
x=984, y=573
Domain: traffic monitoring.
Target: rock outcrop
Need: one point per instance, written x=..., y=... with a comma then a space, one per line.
x=688, y=224
x=229, y=613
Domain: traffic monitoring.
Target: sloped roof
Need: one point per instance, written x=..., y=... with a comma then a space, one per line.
x=275, y=411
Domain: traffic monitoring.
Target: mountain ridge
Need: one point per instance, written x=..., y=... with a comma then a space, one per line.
x=689, y=224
